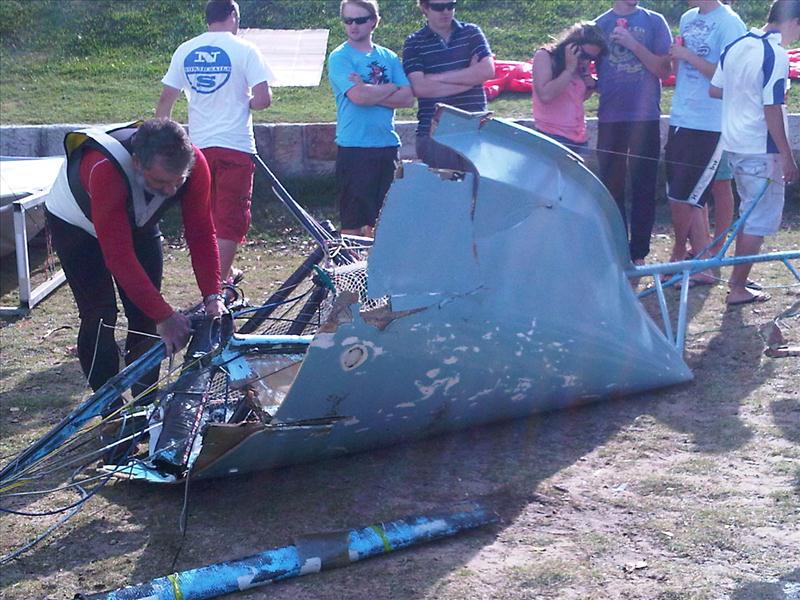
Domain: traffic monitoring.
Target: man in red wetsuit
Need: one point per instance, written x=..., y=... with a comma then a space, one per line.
x=103, y=216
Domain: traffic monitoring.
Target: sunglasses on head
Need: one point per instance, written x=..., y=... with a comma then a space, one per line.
x=442, y=6
x=356, y=20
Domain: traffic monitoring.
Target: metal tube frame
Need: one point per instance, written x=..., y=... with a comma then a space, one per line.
x=684, y=269
x=28, y=298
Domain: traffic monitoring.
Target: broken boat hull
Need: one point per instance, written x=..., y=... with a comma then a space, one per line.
x=508, y=297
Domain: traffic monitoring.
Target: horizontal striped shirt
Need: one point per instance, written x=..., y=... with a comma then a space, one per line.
x=426, y=51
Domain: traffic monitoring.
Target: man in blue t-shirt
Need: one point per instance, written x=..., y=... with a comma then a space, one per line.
x=446, y=61
x=369, y=83
x=629, y=83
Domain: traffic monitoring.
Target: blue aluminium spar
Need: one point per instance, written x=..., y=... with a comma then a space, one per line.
x=309, y=554
x=91, y=407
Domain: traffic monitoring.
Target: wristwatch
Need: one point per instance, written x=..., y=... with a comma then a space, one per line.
x=211, y=297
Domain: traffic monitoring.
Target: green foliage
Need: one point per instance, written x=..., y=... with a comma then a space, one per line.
x=78, y=27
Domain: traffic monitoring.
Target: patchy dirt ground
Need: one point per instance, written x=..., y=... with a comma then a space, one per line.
x=690, y=492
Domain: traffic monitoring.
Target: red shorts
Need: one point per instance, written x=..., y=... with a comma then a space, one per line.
x=231, y=191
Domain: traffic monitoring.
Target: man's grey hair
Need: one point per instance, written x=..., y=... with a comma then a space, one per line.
x=168, y=141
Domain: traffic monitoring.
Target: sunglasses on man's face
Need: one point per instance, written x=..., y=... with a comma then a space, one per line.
x=356, y=20
x=442, y=6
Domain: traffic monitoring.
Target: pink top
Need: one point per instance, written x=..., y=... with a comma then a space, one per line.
x=564, y=115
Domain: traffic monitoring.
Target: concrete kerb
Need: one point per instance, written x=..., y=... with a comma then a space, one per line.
x=291, y=150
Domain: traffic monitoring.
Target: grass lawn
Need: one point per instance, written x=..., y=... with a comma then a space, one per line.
x=75, y=61
x=688, y=492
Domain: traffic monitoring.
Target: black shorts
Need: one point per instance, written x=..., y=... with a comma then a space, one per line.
x=363, y=176
x=690, y=159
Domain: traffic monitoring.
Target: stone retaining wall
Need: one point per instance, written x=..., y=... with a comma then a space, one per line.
x=290, y=149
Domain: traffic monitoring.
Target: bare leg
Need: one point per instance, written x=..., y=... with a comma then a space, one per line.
x=699, y=233
x=746, y=245
x=723, y=209
x=690, y=224
x=682, y=219
x=227, y=252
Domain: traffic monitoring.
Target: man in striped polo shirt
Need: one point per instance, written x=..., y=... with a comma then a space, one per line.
x=751, y=78
x=446, y=61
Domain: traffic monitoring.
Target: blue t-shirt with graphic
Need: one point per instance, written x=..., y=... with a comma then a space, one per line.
x=628, y=91
x=707, y=36
x=364, y=126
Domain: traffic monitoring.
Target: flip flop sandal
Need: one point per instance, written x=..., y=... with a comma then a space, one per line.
x=753, y=299
x=753, y=285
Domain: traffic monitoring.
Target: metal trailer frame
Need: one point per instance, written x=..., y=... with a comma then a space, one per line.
x=28, y=296
x=683, y=270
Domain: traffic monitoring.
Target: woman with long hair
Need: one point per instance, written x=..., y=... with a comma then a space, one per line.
x=562, y=82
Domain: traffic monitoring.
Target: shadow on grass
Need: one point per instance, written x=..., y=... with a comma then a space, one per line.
x=503, y=464
x=726, y=371
x=787, y=587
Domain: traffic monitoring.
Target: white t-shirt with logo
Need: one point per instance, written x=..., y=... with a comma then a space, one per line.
x=216, y=71
x=753, y=72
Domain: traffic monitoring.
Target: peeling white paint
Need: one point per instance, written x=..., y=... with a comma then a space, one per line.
x=429, y=390
x=376, y=350
x=450, y=360
x=485, y=392
x=517, y=397
x=312, y=565
x=523, y=385
x=460, y=349
x=453, y=381
x=487, y=335
x=405, y=405
x=244, y=582
x=349, y=341
x=432, y=526
x=433, y=373
x=362, y=430
x=323, y=340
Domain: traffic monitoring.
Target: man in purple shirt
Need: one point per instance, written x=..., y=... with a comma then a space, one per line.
x=629, y=83
x=446, y=61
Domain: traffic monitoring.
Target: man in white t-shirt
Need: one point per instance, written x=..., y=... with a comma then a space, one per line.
x=692, y=151
x=751, y=79
x=224, y=77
